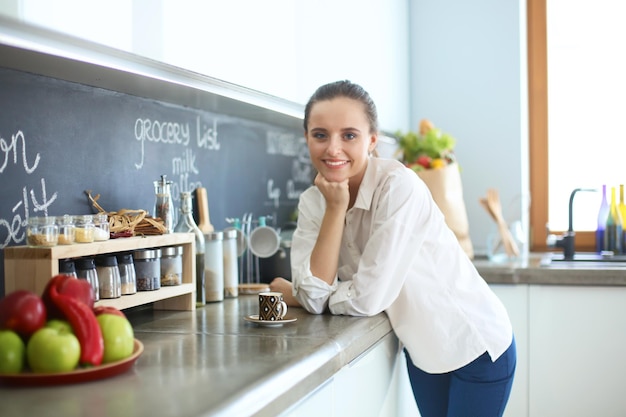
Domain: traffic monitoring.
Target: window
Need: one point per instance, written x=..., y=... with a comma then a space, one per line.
x=575, y=59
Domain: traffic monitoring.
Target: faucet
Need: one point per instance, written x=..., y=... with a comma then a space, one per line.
x=566, y=241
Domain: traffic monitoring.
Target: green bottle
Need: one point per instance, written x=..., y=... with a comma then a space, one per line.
x=614, y=228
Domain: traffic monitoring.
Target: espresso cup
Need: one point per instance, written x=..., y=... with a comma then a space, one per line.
x=271, y=306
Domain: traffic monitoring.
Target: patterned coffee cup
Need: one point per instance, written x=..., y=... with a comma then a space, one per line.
x=271, y=306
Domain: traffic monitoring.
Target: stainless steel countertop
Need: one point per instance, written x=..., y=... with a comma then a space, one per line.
x=211, y=362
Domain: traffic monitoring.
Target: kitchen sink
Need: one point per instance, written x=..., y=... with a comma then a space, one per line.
x=586, y=260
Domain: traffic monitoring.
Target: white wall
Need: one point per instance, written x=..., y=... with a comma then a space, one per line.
x=285, y=48
x=468, y=74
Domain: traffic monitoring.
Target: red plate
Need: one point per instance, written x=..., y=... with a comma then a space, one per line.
x=80, y=375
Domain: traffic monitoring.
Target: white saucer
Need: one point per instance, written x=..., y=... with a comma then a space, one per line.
x=254, y=318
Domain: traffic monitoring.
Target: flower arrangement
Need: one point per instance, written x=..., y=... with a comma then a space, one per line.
x=429, y=149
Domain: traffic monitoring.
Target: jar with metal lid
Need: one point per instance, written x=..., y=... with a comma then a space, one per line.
x=67, y=232
x=86, y=269
x=214, y=266
x=127, y=273
x=148, y=269
x=84, y=228
x=171, y=265
x=108, y=276
x=42, y=231
x=231, y=269
x=101, y=227
x=67, y=267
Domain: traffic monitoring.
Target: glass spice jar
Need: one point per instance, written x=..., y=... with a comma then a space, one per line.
x=42, y=232
x=171, y=265
x=127, y=273
x=101, y=227
x=67, y=267
x=67, y=231
x=84, y=227
x=148, y=269
x=86, y=269
x=108, y=276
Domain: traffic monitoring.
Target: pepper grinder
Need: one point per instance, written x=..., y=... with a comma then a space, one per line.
x=163, y=206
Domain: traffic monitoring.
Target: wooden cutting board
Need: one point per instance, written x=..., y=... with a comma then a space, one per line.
x=202, y=202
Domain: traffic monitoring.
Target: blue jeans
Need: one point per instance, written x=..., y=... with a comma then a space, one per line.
x=478, y=389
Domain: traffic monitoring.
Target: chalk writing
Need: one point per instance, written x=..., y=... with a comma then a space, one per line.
x=14, y=228
x=207, y=136
x=160, y=132
x=278, y=143
x=7, y=148
x=273, y=193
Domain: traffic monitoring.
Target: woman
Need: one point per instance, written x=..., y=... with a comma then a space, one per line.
x=370, y=239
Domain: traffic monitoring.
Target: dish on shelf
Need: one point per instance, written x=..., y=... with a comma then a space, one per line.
x=254, y=318
x=80, y=375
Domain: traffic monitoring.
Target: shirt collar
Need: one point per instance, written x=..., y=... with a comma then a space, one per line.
x=367, y=187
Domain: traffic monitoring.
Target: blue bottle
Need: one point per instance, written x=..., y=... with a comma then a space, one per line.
x=603, y=215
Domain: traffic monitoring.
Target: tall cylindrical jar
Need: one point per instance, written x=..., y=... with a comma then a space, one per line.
x=127, y=273
x=186, y=224
x=108, y=276
x=148, y=269
x=231, y=270
x=171, y=265
x=86, y=269
x=214, y=266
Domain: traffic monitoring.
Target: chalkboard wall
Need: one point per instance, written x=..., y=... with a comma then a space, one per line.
x=59, y=138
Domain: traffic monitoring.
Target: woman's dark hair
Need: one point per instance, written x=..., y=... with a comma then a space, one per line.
x=346, y=89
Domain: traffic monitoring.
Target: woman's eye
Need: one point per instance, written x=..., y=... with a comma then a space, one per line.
x=319, y=135
x=349, y=136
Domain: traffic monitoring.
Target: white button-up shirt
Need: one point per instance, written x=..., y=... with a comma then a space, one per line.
x=399, y=256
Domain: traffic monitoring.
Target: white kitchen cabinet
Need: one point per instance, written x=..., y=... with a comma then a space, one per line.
x=515, y=299
x=577, y=349
x=372, y=385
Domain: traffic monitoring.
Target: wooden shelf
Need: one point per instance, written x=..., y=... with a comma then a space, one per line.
x=31, y=268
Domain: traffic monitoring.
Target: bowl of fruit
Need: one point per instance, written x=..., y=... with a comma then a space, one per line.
x=60, y=337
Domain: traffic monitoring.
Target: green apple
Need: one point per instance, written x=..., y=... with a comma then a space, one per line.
x=60, y=325
x=53, y=350
x=118, y=335
x=12, y=352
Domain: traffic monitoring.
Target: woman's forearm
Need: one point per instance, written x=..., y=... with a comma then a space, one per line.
x=325, y=255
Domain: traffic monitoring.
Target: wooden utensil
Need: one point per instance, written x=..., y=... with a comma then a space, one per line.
x=494, y=208
x=202, y=201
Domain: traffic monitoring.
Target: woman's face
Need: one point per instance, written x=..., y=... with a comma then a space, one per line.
x=339, y=139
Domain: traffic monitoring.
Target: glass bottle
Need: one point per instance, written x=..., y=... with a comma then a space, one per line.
x=622, y=211
x=163, y=206
x=613, y=230
x=603, y=212
x=186, y=224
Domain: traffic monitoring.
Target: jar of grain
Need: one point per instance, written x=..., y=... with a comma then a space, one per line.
x=101, y=227
x=67, y=231
x=127, y=273
x=171, y=265
x=108, y=276
x=42, y=231
x=84, y=228
x=148, y=269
